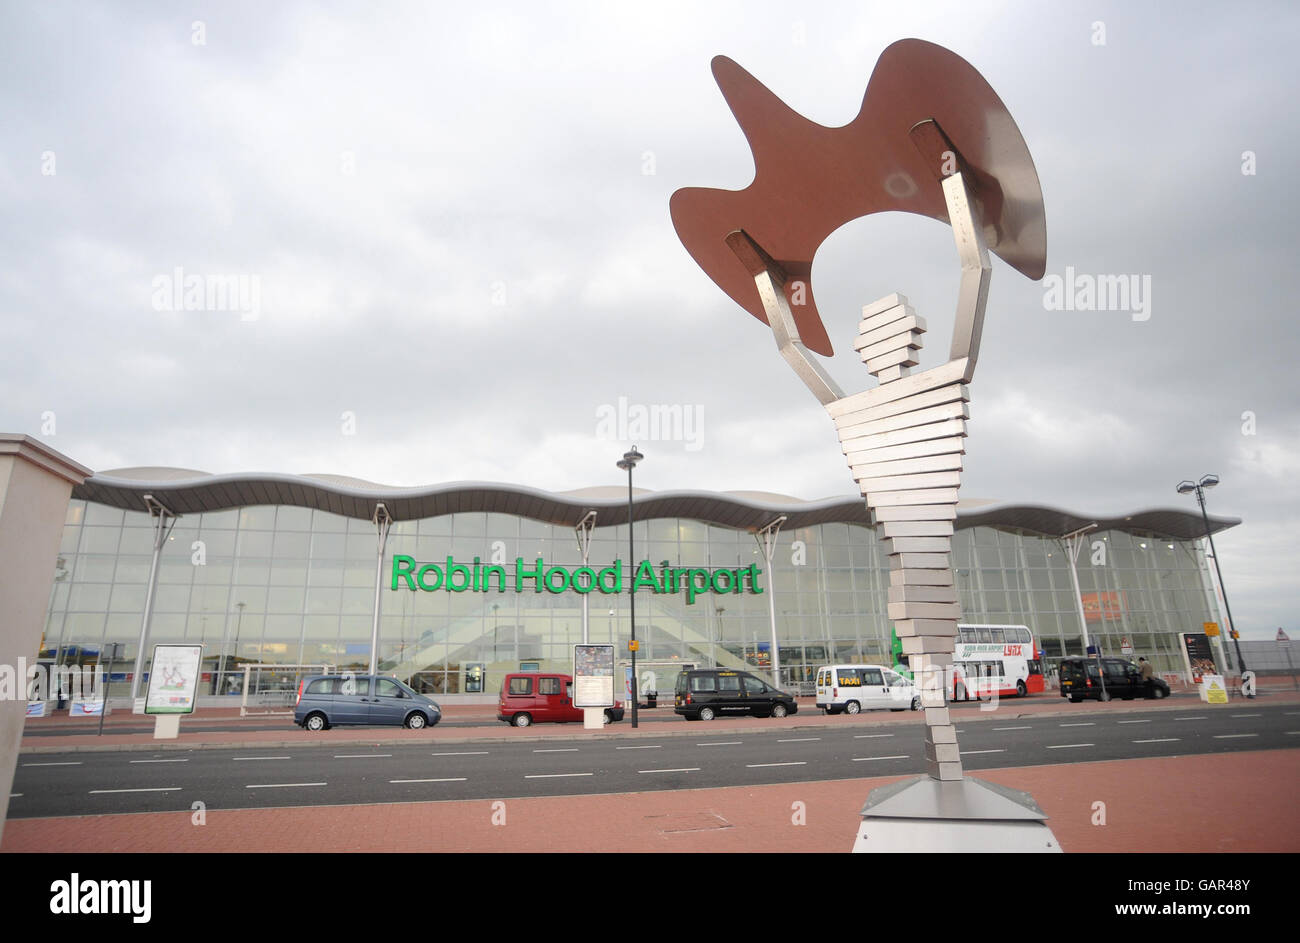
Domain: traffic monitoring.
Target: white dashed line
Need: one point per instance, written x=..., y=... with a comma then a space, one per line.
x=468, y=753
x=1293, y=733
x=1245, y=715
x=1070, y=746
x=238, y=758
x=799, y=740
x=1135, y=721
x=1233, y=736
x=759, y=765
x=15, y=795
x=555, y=775
x=358, y=756
x=655, y=747
x=457, y=779
x=684, y=769
x=870, y=736
x=154, y=789
x=159, y=761
x=564, y=750
x=282, y=785
x=1013, y=728
x=969, y=752
x=721, y=743
x=1189, y=718
x=1160, y=740
x=76, y=763
x=865, y=759
x=1088, y=724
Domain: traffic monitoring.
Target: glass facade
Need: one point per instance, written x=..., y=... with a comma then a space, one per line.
x=291, y=585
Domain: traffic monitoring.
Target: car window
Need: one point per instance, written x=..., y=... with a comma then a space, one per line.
x=729, y=683
x=350, y=684
x=548, y=685
x=703, y=684
x=386, y=688
x=754, y=686
x=323, y=686
x=521, y=685
x=848, y=677
x=872, y=676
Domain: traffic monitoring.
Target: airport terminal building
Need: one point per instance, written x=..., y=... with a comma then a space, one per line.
x=477, y=579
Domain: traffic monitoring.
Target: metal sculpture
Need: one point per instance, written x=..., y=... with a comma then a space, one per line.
x=931, y=138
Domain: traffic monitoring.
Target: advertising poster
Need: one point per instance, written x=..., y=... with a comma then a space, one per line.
x=1200, y=659
x=173, y=679
x=593, y=676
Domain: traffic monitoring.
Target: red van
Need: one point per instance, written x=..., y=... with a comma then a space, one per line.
x=536, y=697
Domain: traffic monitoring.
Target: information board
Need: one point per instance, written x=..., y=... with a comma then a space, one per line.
x=173, y=679
x=593, y=676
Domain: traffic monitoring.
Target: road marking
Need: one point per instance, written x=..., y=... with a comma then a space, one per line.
x=1293, y=733
x=564, y=750
x=15, y=795
x=1088, y=724
x=238, y=758
x=1189, y=718
x=684, y=769
x=758, y=765
x=1159, y=740
x=555, y=775
x=456, y=779
x=655, y=747
x=282, y=785
x=1233, y=736
x=870, y=736
x=358, y=756
x=721, y=743
x=1069, y=746
x=799, y=740
x=969, y=752
x=159, y=761
x=1135, y=721
x=154, y=789
x=1013, y=728
x=67, y=763
x=1245, y=715
x=864, y=759
x=469, y=753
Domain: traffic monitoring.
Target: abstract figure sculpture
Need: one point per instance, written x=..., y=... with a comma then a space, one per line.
x=931, y=138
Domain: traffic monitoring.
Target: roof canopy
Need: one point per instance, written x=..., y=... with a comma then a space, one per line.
x=189, y=492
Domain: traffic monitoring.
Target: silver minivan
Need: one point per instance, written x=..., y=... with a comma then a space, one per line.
x=327, y=700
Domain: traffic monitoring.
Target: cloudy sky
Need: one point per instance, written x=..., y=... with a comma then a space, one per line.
x=452, y=229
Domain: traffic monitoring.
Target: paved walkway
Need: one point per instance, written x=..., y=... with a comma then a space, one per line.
x=1159, y=804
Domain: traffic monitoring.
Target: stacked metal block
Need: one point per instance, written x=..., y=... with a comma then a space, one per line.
x=904, y=442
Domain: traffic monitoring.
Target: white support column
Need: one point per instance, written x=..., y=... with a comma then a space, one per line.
x=163, y=521
x=382, y=521
x=766, y=537
x=583, y=532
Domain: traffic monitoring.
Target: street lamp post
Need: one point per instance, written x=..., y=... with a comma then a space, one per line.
x=628, y=462
x=1198, y=488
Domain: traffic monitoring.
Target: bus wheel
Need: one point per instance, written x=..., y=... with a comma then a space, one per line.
x=1021, y=690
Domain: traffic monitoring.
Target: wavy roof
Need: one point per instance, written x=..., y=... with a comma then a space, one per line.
x=185, y=491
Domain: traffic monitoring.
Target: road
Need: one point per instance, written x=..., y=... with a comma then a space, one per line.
x=53, y=784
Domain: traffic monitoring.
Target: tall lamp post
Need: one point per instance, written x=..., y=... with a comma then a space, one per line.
x=1198, y=488
x=628, y=462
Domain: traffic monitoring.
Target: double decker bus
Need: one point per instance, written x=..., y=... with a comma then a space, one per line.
x=995, y=659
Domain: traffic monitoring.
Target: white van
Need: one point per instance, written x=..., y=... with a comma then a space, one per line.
x=853, y=688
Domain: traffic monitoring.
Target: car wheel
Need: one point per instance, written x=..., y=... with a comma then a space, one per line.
x=416, y=721
x=778, y=711
x=706, y=713
x=1021, y=690
x=521, y=720
x=916, y=703
x=852, y=707
x=316, y=722
x=1158, y=693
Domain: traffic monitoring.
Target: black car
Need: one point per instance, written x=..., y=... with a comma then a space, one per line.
x=1081, y=678
x=706, y=693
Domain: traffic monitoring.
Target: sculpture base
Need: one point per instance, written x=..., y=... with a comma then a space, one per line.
x=922, y=814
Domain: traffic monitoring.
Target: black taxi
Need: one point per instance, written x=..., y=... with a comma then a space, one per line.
x=706, y=693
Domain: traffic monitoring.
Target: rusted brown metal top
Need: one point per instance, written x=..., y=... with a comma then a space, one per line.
x=810, y=179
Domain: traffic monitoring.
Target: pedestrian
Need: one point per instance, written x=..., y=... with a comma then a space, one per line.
x=1147, y=670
